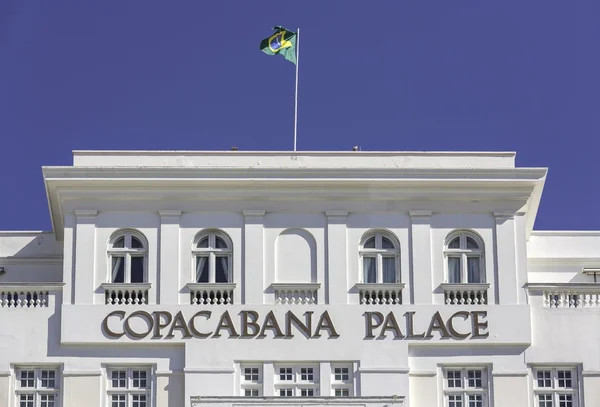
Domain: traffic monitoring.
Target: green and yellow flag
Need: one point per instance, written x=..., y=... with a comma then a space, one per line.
x=283, y=42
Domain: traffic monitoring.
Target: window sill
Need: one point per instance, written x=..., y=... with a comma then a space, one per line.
x=210, y=286
x=126, y=293
x=211, y=293
x=464, y=286
x=379, y=286
x=126, y=286
x=465, y=293
x=380, y=293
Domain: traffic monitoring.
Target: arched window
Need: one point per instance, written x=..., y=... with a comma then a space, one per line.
x=464, y=254
x=379, y=254
x=212, y=254
x=127, y=252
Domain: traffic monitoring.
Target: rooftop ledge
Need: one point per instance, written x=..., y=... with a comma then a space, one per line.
x=290, y=159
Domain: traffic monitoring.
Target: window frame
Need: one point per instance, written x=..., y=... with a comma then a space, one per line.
x=127, y=252
x=37, y=391
x=251, y=385
x=379, y=253
x=554, y=390
x=296, y=385
x=342, y=384
x=212, y=253
x=129, y=391
x=464, y=253
x=465, y=390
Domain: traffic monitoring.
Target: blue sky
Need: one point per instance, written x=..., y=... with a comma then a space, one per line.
x=507, y=75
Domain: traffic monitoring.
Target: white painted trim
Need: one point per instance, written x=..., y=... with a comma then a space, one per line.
x=86, y=213
x=168, y=213
x=253, y=213
x=590, y=373
x=295, y=286
x=515, y=373
x=579, y=287
x=204, y=370
x=49, y=286
x=336, y=214
x=169, y=373
x=12, y=260
x=420, y=214
x=423, y=373
x=76, y=373
x=5, y=373
x=383, y=370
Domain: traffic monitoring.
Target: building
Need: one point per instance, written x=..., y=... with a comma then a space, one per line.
x=177, y=278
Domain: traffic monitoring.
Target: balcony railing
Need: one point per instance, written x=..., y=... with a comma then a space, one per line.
x=568, y=295
x=126, y=293
x=380, y=294
x=465, y=293
x=211, y=293
x=26, y=295
x=295, y=293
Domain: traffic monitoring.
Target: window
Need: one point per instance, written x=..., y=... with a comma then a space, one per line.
x=37, y=387
x=297, y=381
x=129, y=387
x=342, y=380
x=251, y=380
x=555, y=387
x=127, y=253
x=464, y=258
x=379, y=258
x=465, y=387
x=212, y=253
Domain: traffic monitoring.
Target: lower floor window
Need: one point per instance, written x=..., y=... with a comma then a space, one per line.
x=555, y=386
x=129, y=387
x=37, y=387
x=465, y=387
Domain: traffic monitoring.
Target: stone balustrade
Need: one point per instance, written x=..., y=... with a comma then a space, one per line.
x=295, y=293
x=567, y=295
x=466, y=294
x=380, y=294
x=27, y=295
x=211, y=293
x=126, y=294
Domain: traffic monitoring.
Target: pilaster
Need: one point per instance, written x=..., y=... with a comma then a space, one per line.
x=253, y=273
x=505, y=258
x=167, y=287
x=420, y=276
x=337, y=260
x=85, y=257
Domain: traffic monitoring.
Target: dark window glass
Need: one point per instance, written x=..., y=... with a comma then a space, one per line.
x=370, y=244
x=137, y=269
x=220, y=243
x=120, y=242
x=201, y=269
x=118, y=269
x=454, y=243
x=386, y=243
x=203, y=243
x=136, y=243
x=472, y=244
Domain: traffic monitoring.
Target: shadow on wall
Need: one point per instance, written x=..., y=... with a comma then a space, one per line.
x=295, y=257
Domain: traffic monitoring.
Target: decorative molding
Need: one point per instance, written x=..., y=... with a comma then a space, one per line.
x=126, y=286
x=336, y=214
x=380, y=286
x=42, y=286
x=169, y=373
x=464, y=286
x=420, y=214
x=253, y=213
x=86, y=213
x=53, y=259
x=508, y=373
x=423, y=373
x=5, y=373
x=565, y=261
x=207, y=370
x=383, y=370
x=168, y=212
x=578, y=287
x=500, y=216
x=295, y=286
x=76, y=373
x=590, y=373
x=235, y=401
x=211, y=286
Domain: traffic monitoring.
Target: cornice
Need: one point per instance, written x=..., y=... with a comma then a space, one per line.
x=169, y=213
x=420, y=214
x=253, y=213
x=579, y=287
x=42, y=286
x=565, y=261
x=12, y=260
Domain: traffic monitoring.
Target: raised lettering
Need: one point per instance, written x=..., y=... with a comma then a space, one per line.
x=271, y=323
x=106, y=329
x=192, y=324
x=158, y=325
x=179, y=323
x=410, y=326
x=246, y=323
x=391, y=324
x=437, y=324
x=145, y=315
x=450, y=324
x=227, y=324
x=326, y=324
x=477, y=325
x=290, y=319
x=369, y=323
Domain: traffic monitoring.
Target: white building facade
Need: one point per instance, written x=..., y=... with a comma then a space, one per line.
x=176, y=278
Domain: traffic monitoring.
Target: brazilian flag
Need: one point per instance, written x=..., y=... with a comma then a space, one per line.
x=283, y=42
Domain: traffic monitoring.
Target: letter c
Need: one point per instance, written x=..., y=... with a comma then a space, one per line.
x=134, y=334
x=192, y=324
x=106, y=329
x=453, y=331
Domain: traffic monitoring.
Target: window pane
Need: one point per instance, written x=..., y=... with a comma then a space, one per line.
x=118, y=379
x=545, y=400
x=137, y=269
x=201, y=269
x=120, y=242
x=386, y=243
x=565, y=400
x=136, y=243
x=118, y=400
x=342, y=392
x=471, y=243
x=455, y=400
x=564, y=379
x=370, y=244
x=251, y=392
x=474, y=379
x=26, y=400
x=139, y=379
x=139, y=400
x=220, y=243
x=306, y=374
x=48, y=379
x=454, y=379
x=454, y=243
x=389, y=269
x=285, y=373
x=47, y=400
x=307, y=392
x=369, y=270
x=118, y=269
x=27, y=378
x=543, y=378
x=473, y=270
x=203, y=243
x=222, y=269
x=454, y=270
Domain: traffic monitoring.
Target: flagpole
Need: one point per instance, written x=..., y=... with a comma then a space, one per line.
x=296, y=95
